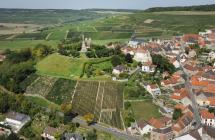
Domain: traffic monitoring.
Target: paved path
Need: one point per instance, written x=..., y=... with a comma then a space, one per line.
x=113, y=131
x=188, y=86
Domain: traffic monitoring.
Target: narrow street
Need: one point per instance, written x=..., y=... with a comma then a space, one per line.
x=119, y=134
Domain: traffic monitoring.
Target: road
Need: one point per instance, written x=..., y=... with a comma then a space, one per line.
x=117, y=133
x=188, y=86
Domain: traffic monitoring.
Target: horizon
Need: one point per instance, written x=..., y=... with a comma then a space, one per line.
x=97, y=4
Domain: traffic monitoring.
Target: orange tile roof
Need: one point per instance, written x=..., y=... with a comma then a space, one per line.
x=156, y=123
x=196, y=82
x=209, y=88
x=207, y=115
x=211, y=101
x=180, y=94
x=182, y=122
x=180, y=106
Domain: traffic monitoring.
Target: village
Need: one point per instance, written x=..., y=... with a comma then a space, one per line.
x=191, y=86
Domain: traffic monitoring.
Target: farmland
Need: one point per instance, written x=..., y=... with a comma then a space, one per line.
x=103, y=99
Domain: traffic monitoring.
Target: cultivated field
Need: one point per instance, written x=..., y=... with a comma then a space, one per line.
x=103, y=99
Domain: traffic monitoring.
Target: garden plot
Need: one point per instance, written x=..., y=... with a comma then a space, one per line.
x=103, y=99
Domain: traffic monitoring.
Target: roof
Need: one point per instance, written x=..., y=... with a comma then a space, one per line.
x=17, y=116
x=205, y=114
x=184, y=121
x=120, y=67
x=211, y=101
x=209, y=131
x=210, y=88
x=195, y=81
x=163, y=130
x=180, y=94
x=159, y=123
x=50, y=130
x=75, y=136
x=190, y=37
x=142, y=123
x=189, y=67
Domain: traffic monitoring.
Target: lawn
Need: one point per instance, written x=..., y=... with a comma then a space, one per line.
x=66, y=67
x=19, y=44
x=62, y=66
x=105, y=42
x=42, y=102
x=145, y=110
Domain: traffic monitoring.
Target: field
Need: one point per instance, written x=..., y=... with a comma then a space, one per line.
x=103, y=99
x=145, y=110
x=62, y=66
x=67, y=67
x=19, y=44
x=41, y=102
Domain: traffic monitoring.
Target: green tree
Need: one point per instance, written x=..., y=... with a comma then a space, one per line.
x=116, y=60
x=177, y=114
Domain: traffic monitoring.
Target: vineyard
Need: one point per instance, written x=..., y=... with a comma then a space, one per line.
x=33, y=36
x=103, y=99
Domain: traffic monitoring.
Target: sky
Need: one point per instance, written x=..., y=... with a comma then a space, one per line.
x=107, y=4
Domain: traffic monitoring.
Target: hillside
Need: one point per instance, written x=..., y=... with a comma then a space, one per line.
x=183, y=8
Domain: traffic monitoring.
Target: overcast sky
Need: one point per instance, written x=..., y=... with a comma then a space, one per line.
x=83, y=4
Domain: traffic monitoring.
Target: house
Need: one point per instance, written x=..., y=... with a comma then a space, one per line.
x=142, y=55
x=16, y=120
x=160, y=123
x=192, y=54
x=4, y=131
x=181, y=96
x=128, y=50
x=144, y=127
x=72, y=136
x=190, y=69
x=183, y=124
x=175, y=80
x=162, y=134
x=148, y=67
x=119, y=69
x=133, y=44
x=49, y=133
x=211, y=56
x=190, y=39
x=2, y=57
x=175, y=63
x=153, y=89
x=207, y=118
x=202, y=133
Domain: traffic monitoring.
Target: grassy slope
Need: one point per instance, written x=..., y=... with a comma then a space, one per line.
x=145, y=110
x=19, y=44
x=59, y=65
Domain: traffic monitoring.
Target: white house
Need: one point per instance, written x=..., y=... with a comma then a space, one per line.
x=133, y=44
x=16, y=121
x=207, y=118
x=142, y=55
x=148, y=67
x=144, y=127
x=154, y=90
x=119, y=69
x=49, y=133
x=181, y=96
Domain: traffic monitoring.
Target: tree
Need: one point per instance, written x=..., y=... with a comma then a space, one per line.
x=89, y=118
x=116, y=60
x=66, y=108
x=128, y=58
x=177, y=114
x=42, y=50
x=92, y=135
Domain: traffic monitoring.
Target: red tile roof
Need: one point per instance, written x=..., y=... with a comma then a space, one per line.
x=180, y=94
x=207, y=115
x=209, y=88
